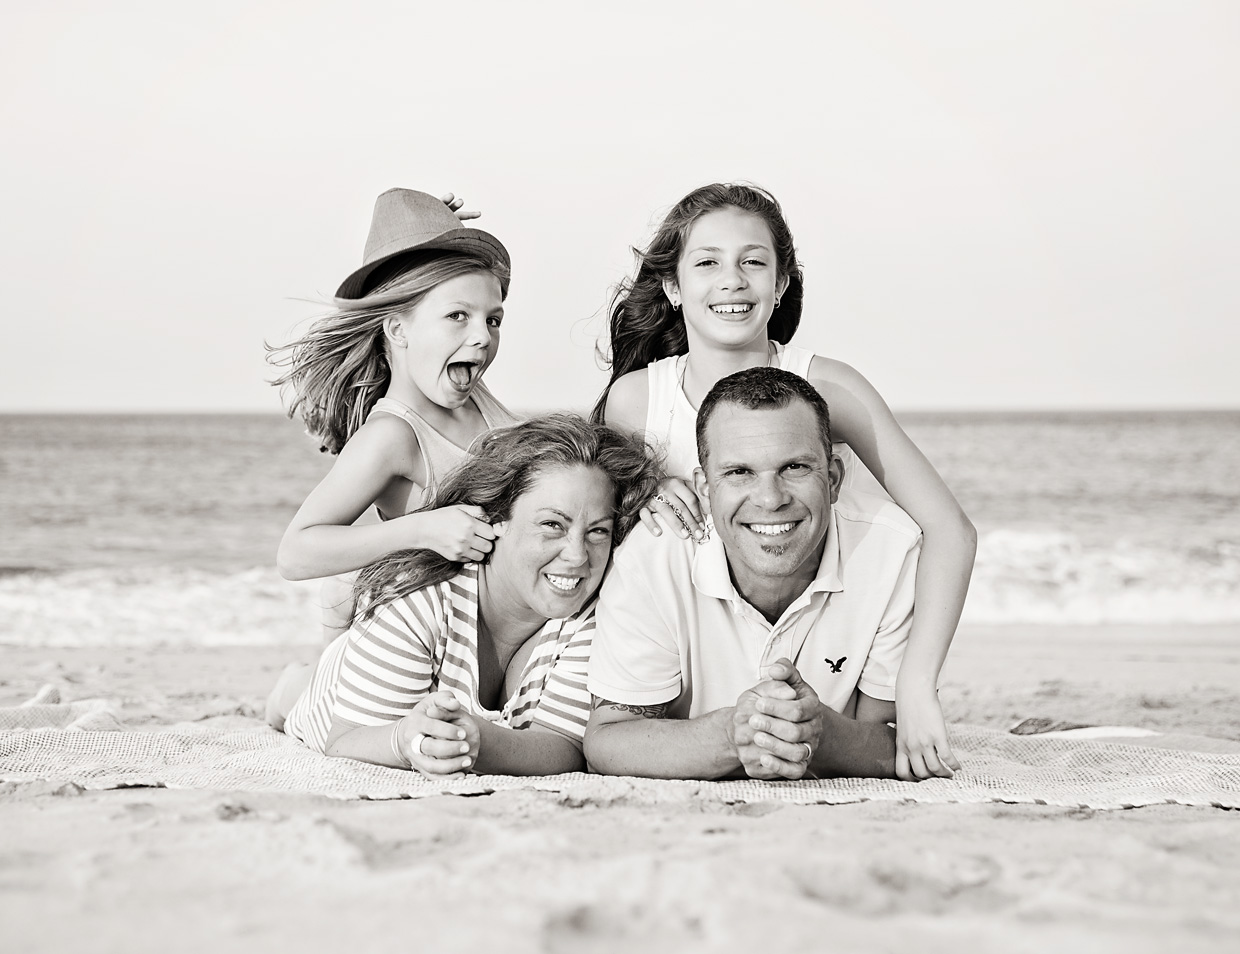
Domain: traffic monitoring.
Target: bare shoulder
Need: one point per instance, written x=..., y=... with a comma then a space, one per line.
x=629, y=400
x=839, y=376
x=385, y=441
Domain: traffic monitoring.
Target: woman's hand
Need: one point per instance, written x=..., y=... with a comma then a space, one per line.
x=676, y=505
x=438, y=739
x=922, y=750
x=460, y=533
x=454, y=205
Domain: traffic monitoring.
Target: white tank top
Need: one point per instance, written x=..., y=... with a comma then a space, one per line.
x=671, y=421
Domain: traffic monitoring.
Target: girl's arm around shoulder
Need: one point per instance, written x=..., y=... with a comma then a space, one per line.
x=382, y=452
x=861, y=418
x=628, y=401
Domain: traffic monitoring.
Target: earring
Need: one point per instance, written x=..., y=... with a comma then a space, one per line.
x=675, y=305
x=776, y=301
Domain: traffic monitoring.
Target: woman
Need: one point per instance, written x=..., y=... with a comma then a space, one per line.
x=450, y=667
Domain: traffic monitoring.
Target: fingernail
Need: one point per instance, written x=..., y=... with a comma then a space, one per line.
x=460, y=733
x=464, y=747
x=466, y=762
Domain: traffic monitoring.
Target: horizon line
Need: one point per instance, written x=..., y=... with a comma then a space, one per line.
x=528, y=411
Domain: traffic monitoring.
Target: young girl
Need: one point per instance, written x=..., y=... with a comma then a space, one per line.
x=719, y=290
x=391, y=381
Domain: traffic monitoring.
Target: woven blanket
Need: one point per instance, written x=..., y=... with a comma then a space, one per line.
x=83, y=744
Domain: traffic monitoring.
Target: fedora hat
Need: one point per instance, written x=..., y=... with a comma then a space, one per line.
x=409, y=221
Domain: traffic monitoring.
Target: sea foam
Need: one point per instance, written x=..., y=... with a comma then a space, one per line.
x=1020, y=577
x=1046, y=577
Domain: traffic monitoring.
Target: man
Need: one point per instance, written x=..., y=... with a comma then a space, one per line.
x=771, y=648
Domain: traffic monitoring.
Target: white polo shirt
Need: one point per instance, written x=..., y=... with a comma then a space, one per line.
x=672, y=628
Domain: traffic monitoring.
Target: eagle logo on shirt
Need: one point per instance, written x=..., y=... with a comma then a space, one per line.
x=835, y=666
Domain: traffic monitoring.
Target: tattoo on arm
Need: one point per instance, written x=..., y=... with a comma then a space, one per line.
x=646, y=712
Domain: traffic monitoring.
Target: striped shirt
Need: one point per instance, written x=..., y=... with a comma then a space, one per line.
x=381, y=668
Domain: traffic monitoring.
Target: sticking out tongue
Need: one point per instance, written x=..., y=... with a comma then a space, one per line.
x=461, y=373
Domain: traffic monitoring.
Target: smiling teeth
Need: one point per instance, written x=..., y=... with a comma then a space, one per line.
x=731, y=309
x=564, y=583
x=771, y=529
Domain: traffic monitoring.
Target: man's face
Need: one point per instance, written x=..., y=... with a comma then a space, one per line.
x=770, y=484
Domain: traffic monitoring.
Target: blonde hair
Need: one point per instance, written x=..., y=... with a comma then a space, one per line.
x=340, y=367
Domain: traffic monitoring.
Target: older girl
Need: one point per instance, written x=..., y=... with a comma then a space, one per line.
x=718, y=290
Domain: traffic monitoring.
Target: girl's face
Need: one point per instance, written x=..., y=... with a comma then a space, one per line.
x=551, y=552
x=448, y=340
x=727, y=279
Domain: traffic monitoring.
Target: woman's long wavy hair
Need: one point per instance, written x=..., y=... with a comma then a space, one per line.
x=341, y=366
x=502, y=466
x=644, y=327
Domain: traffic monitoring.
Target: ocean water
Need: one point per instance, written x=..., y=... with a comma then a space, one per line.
x=140, y=529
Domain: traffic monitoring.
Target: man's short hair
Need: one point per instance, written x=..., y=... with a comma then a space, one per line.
x=756, y=388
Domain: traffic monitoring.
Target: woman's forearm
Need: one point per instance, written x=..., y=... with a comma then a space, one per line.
x=533, y=751
x=366, y=743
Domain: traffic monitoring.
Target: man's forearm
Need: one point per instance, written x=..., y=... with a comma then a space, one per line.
x=850, y=749
x=662, y=748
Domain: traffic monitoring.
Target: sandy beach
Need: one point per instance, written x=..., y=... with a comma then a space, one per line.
x=154, y=869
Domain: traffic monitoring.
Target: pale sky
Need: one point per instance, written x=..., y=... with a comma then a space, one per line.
x=998, y=205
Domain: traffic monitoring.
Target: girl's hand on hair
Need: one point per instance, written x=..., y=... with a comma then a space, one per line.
x=460, y=533
x=454, y=204
x=677, y=506
x=432, y=739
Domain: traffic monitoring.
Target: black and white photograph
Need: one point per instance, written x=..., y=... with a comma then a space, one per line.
x=653, y=476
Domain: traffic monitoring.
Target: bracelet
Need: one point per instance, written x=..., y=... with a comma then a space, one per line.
x=394, y=739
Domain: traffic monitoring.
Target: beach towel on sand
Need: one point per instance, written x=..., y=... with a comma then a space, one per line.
x=229, y=753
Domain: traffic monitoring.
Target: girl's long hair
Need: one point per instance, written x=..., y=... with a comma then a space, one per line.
x=502, y=466
x=644, y=327
x=339, y=368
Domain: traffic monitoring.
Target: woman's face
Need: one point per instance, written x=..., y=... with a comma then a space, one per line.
x=728, y=278
x=553, y=549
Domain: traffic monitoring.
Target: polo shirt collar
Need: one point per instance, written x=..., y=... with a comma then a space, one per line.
x=710, y=567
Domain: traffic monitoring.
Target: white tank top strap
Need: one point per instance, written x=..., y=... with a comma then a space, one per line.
x=671, y=420
x=661, y=379
x=793, y=359
x=493, y=412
